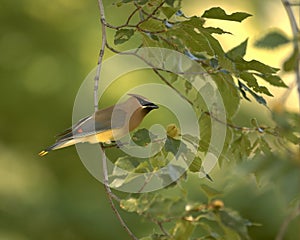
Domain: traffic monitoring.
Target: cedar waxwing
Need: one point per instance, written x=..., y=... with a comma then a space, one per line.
x=107, y=124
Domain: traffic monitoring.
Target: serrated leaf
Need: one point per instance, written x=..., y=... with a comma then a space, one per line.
x=216, y=30
x=291, y=63
x=255, y=65
x=252, y=82
x=191, y=33
x=219, y=13
x=238, y=52
x=257, y=97
x=272, y=79
x=272, y=40
x=169, y=11
x=123, y=35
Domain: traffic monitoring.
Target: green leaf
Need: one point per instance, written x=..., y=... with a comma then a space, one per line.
x=191, y=33
x=238, y=52
x=232, y=220
x=219, y=13
x=291, y=63
x=142, y=2
x=255, y=65
x=123, y=35
x=205, y=132
x=142, y=137
x=229, y=92
x=196, y=165
x=272, y=40
x=171, y=174
x=170, y=2
x=125, y=163
x=252, y=83
x=209, y=191
x=191, y=139
x=258, y=98
x=172, y=145
x=216, y=30
x=169, y=11
x=152, y=25
x=183, y=230
x=272, y=79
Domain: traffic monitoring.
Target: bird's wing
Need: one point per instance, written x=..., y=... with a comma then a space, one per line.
x=99, y=122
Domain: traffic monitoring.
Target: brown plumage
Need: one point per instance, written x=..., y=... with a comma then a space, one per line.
x=107, y=124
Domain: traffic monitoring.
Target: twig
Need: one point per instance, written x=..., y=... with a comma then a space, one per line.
x=286, y=222
x=259, y=129
x=151, y=14
x=295, y=30
x=101, y=54
x=110, y=194
x=162, y=228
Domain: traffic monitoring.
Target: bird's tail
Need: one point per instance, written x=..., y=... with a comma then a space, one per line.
x=58, y=145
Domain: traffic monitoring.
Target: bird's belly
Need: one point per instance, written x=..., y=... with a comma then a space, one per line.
x=105, y=137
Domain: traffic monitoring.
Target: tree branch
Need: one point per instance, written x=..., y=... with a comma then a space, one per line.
x=101, y=53
x=109, y=193
x=295, y=30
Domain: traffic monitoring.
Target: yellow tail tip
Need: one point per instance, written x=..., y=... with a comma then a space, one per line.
x=43, y=153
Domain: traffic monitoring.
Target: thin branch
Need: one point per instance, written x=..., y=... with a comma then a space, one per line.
x=152, y=14
x=162, y=228
x=110, y=194
x=132, y=14
x=295, y=30
x=101, y=54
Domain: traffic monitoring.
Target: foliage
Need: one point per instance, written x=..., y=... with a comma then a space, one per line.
x=256, y=150
x=46, y=51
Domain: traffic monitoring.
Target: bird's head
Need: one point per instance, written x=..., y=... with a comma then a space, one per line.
x=144, y=102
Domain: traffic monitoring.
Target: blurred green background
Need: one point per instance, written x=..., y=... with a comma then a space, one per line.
x=46, y=51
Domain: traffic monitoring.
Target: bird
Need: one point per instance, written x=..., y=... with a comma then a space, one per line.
x=105, y=125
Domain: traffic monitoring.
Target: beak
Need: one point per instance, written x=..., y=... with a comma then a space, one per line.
x=150, y=105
